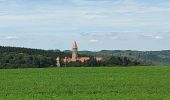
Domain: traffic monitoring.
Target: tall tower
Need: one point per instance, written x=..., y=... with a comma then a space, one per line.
x=74, y=51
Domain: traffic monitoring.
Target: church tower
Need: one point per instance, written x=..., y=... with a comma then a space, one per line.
x=74, y=51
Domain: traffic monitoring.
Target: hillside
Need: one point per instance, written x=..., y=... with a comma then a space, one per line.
x=153, y=57
x=16, y=57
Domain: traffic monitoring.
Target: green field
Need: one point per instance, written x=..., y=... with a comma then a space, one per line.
x=114, y=83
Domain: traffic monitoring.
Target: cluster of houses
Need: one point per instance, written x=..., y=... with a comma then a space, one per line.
x=75, y=57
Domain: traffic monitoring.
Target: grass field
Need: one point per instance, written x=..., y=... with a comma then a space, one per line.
x=116, y=83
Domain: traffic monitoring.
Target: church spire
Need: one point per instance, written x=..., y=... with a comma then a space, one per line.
x=75, y=45
x=74, y=51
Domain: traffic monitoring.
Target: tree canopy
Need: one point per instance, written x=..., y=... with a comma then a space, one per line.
x=15, y=57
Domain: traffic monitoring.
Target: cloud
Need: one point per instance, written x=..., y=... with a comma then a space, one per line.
x=103, y=21
x=108, y=35
x=123, y=36
x=156, y=37
x=3, y=37
x=86, y=15
x=114, y=37
x=92, y=2
x=100, y=34
x=93, y=40
x=84, y=34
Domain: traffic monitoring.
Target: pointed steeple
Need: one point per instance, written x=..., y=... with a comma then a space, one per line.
x=74, y=51
x=75, y=45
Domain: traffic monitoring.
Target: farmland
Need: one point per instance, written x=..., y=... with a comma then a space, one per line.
x=95, y=83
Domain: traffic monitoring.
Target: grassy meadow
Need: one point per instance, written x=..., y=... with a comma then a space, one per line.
x=103, y=83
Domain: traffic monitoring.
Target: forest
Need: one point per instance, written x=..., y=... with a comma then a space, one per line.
x=16, y=57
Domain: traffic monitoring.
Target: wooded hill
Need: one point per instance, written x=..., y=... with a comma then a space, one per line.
x=152, y=57
x=15, y=57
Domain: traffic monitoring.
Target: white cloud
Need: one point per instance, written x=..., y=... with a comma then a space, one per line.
x=132, y=14
x=107, y=35
x=156, y=37
x=100, y=16
x=114, y=37
x=4, y=37
x=93, y=40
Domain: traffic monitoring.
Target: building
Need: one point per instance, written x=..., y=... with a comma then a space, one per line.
x=75, y=57
x=74, y=52
x=58, y=62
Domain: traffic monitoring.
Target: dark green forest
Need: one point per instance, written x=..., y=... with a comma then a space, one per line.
x=161, y=58
x=112, y=61
x=16, y=57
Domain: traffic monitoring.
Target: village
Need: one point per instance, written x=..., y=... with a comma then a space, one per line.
x=75, y=57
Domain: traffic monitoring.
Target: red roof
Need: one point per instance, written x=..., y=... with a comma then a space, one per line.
x=83, y=59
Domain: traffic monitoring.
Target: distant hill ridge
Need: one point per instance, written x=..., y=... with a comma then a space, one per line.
x=154, y=57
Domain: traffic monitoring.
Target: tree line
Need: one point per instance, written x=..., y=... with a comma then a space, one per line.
x=14, y=57
x=112, y=61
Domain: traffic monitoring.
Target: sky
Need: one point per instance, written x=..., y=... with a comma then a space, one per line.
x=94, y=24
